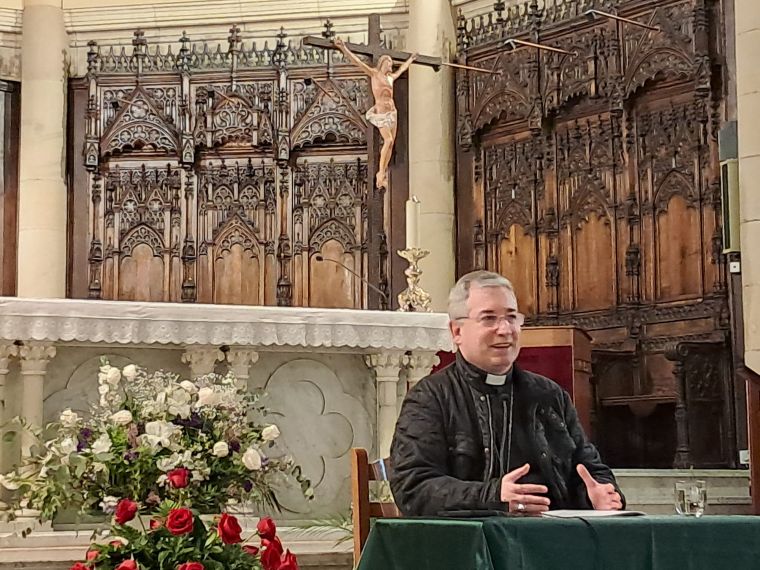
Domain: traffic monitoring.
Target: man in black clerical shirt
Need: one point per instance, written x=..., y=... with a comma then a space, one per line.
x=482, y=434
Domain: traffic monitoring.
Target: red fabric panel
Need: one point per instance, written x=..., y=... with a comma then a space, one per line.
x=555, y=362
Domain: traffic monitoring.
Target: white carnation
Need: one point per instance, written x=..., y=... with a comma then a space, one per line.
x=158, y=433
x=102, y=444
x=8, y=484
x=252, y=459
x=221, y=449
x=69, y=419
x=130, y=372
x=68, y=446
x=122, y=418
x=103, y=389
x=168, y=463
x=188, y=387
x=270, y=433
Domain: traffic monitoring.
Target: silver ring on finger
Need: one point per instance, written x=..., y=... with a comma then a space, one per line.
x=520, y=508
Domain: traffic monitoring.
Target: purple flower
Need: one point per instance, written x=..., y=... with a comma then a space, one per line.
x=84, y=438
x=194, y=421
x=131, y=455
x=247, y=485
x=234, y=445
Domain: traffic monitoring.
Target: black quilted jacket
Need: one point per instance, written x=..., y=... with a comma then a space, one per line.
x=440, y=455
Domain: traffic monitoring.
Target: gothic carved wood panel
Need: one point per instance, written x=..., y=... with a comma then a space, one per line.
x=222, y=176
x=593, y=181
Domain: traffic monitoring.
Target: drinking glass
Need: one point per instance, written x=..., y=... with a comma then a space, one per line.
x=690, y=497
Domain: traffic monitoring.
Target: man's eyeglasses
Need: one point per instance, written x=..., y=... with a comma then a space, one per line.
x=514, y=320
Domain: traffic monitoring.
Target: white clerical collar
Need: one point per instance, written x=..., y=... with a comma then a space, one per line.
x=496, y=379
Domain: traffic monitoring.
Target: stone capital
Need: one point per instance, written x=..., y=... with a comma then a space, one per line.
x=35, y=357
x=240, y=357
x=419, y=364
x=7, y=349
x=387, y=365
x=202, y=358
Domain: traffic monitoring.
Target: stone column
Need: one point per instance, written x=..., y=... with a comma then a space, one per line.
x=387, y=367
x=241, y=359
x=7, y=349
x=42, y=201
x=202, y=359
x=431, y=143
x=34, y=360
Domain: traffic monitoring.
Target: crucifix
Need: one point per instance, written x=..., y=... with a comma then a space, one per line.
x=383, y=114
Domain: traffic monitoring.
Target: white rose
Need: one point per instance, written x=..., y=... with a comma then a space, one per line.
x=270, y=433
x=130, y=372
x=252, y=459
x=122, y=418
x=102, y=444
x=68, y=446
x=188, y=387
x=69, y=419
x=207, y=397
x=113, y=376
x=221, y=449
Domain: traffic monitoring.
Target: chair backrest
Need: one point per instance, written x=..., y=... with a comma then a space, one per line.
x=363, y=509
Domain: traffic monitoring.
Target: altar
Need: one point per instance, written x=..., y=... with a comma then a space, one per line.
x=333, y=378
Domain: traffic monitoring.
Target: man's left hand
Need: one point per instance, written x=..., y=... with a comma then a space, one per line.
x=603, y=496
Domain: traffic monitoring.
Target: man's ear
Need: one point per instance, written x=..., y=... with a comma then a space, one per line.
x=456, y=331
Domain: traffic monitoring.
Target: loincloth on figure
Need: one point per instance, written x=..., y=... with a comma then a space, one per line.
x=380, y=120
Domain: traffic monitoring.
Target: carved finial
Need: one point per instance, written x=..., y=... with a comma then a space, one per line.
x=234, y=39
x=328, y=33
x=498, y=7
x=138, y=40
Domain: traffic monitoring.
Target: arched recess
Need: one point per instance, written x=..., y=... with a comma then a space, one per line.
x=330, y=285
x=238, y=271
x=141, y=266
x=518, y=263
x=678, y=255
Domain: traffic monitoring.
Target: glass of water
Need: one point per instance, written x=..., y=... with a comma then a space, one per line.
x=690, y=497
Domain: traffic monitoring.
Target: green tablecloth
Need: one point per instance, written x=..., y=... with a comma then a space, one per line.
x=514, y=543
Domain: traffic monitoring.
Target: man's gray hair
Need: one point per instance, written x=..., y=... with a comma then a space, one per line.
x=460, y=293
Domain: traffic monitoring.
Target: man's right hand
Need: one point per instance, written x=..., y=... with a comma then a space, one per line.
x=521, y=497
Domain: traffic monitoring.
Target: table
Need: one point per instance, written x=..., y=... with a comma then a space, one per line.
x=520, y=543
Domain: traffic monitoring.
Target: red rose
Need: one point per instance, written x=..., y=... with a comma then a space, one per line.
x=271, y=554
x=252, y=550
x=92, y=555
x=79, y=566
x=126, y=509
x=178, y=478
x=191, y=566
x=229, y=529
x=155, y=524
x=289, y=562
x=127, y=565
x=266, y=528
x=180, y=521
x=116, y=544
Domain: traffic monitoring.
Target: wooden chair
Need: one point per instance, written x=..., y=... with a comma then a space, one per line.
x=362, y=472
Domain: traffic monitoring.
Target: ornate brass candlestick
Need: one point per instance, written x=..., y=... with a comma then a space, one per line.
x=413, y=299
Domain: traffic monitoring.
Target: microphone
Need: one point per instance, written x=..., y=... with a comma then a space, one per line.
x=384, y=297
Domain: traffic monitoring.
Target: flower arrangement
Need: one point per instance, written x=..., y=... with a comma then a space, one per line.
x=177, y=539
x=155, y=437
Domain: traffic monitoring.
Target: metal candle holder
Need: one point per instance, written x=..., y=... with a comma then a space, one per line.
x=414, y=299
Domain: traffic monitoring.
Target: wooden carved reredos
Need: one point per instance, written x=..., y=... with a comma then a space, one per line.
x=592, y=181
x=218, y=175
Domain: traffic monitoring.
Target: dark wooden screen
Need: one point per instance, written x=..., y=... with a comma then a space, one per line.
x=220, y=175
x=591, y=180
x=10, y=114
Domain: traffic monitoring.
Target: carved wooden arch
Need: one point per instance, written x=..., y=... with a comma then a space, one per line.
x=236, y=231
x=332, y=230
x=497, y=106
x=330, y=117
x=660, y=61
x=139, y=235
x=514, y=213
x=674, y=183
x=233, y=120
x=140, y=124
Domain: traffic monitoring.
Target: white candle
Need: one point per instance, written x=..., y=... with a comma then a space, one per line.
x=412, y=223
